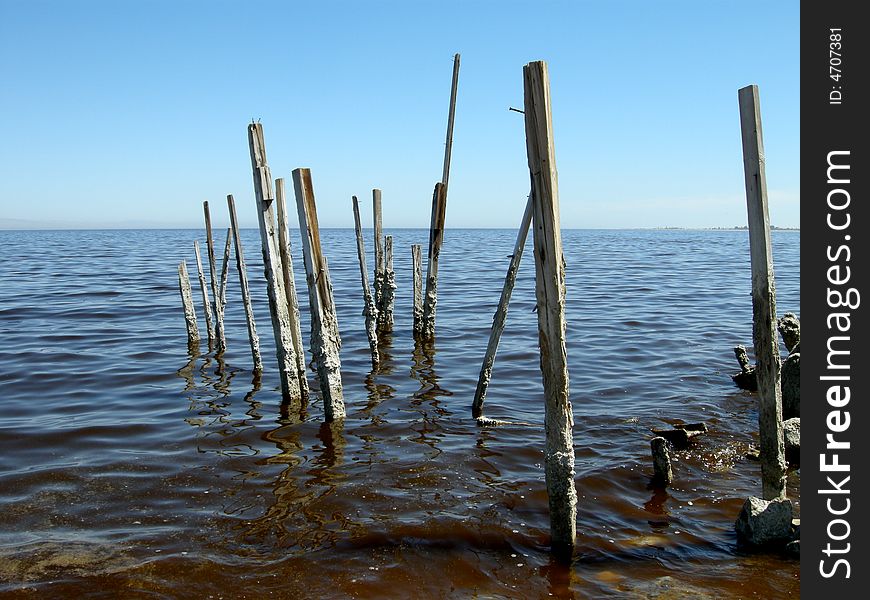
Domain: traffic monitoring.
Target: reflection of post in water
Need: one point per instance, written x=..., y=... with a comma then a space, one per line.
x=187, y=371
x=558, y=576
x=256, y=384
x=423, y=370
x=378, y=392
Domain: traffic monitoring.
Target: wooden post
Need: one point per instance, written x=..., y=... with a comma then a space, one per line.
x=290, y=287
x=663, y=474
x=243, y=283
x=206, y=303
x=187, y=302
x=224, y=270
x=436, y=236
x=498, y=320
x=325, y=340
x=369, y=309
x=550, y=296
x=417, y=259
x=448, y=146
x=380, y=266
x=388, y=287
x=218, y=309
x=763, y=299
x=287, y=366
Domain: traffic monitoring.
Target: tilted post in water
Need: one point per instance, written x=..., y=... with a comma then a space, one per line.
x=287, y=366
x=225, y=269
x=550, y=296
x=206, y=303
x=498, y=320
x=417, y=260
x=243, y=283
x=436, y=236
x=218, y=308
x=388, y=287
x=448, y=146
x=290, y=286
x=369, y=309
x=325, y=340
x=764, y=336
x=187, y=302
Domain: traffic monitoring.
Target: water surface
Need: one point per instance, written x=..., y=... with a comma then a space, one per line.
x=131, y=468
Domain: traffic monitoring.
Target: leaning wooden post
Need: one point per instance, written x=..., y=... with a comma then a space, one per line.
x=290, y=286
x=287, y=366
x=243, y=283
x=498, y=320
x=436, y=236
x=369, y=309
x=187, y=302
x=388, y=287
x=225, y=269
x=763, y=299
x=448, y=146
x=550, y=296
x=218, y=309
x=380, y=266
x=206, y=303
x=417, y=259
x=325, y=340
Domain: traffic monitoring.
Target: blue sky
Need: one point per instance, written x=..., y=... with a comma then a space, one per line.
x=132, y=113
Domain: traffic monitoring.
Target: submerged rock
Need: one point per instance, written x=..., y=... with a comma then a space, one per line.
x=764, y=522
x=680, y=435
x=791, y=433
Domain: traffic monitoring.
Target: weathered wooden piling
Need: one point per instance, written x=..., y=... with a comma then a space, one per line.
x=436, y=237
x=206, y=303
x=217, y=308
x=663, y=474
x=388, y=287
x=498, y=320
x=380, y=266
x=225, y=270
x=417, y=260
x=253, y=338
x=187, y=303
x=550, y=295
x=290, y=287
x=278, y=309
x=451, y=116
x=764, y=335
x=325, y=340
x=370, y=311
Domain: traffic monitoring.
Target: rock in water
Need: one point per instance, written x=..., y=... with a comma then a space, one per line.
x=791, y=433
x=791, y=386
x=764, y=522
x=790, y=329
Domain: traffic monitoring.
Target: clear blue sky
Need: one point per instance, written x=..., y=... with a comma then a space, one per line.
x=132, y=113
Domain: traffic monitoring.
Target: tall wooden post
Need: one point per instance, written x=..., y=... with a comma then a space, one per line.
x=763, y=299
x=220, y=338
x=225, y=270
x=206, y=303
x=379, y=249
x=498, y=320
x=369, y=309
x=290, y=287
x=448, y=146
x=187, y=303
x=417, y=260
x=325, y=340
x=550, y=296
x=253, y=337
x=436, y=237
x=278, y=309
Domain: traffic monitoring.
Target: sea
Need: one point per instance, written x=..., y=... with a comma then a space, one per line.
x=133, y=466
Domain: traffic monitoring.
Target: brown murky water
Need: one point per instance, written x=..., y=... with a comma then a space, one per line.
x=130, y=469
